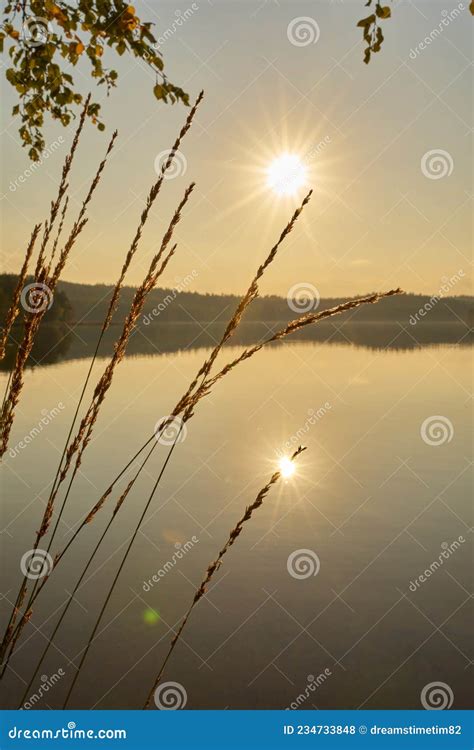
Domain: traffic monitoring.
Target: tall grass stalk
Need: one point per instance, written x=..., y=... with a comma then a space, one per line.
x=152, y=196
x=191, y=402
x=296, y=325
x=116, y=577
x=70, y=449
x=84, y=387
x=291, y=327
x=186, y=401
x=200, y=386
x=50, y=639
x=185, y=405
x=63, y=187
x=78, y=585
x=84, y=433
x=32, y=322
x=14, y=308
x=214, y=566
x=83, y=436
x=59, y=232
x=303, y=321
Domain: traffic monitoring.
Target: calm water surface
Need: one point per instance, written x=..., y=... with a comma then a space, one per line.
x=375, y=502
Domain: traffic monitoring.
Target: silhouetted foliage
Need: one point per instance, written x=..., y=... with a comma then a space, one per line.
x=372, y=30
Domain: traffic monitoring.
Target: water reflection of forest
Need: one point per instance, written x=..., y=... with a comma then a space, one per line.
x=52, y=344
x=58, y=342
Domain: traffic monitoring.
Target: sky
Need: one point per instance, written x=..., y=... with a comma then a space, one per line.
x=387, y=149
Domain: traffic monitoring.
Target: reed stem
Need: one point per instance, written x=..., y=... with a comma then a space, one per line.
x=116, y=577
x=83, y=435
x=201, y=590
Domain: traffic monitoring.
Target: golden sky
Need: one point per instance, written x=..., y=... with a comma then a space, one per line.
x=387, y=149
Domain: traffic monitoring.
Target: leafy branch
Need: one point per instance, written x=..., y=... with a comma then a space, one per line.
x=45, y=40
x=372, y=31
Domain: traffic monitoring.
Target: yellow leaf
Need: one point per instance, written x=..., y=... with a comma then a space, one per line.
x=79, y=48
x=130, y=23
x=383, y=12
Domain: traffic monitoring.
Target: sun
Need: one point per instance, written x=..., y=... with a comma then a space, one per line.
x=286, y=467
x=287, y=174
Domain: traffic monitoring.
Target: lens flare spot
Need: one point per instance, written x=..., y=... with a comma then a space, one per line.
x=151, y=616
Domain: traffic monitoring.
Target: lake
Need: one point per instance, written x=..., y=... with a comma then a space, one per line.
x=324, y=600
